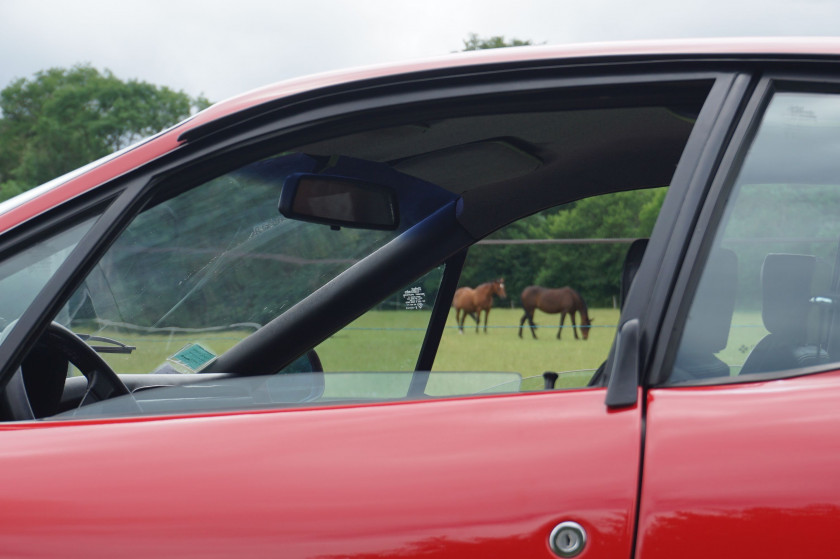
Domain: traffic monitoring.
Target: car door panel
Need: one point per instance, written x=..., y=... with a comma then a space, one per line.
x=745, y=470
x=474, y=477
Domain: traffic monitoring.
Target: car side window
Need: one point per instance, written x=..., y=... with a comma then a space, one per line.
x=767, y=299
x=325, y=261
x=388, y=337
x=543, y=294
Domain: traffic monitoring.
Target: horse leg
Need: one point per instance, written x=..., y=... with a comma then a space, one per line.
x=477, y=320
x=458, y=320
x=533, y=325
x=574, y=325
x=486, y=316
x=562, y=320
x=529, y=317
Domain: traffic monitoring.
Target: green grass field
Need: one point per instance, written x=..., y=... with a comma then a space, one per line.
x=391, y=340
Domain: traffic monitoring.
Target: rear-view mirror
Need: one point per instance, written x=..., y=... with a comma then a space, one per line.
x=339, y=202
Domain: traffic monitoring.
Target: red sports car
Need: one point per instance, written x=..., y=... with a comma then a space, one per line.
x=234, y=339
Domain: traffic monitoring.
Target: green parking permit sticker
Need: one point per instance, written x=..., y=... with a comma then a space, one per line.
x=193, y=356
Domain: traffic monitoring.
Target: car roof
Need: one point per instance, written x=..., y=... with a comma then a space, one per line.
x=36, y=201
x=720, y=48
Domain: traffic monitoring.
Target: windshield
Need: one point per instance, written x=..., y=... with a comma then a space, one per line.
x=198, y=272
x=23, y=275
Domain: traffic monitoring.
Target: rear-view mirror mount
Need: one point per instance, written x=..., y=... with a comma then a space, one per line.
x=339, y=202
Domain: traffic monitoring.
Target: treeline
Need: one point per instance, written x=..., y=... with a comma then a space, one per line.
x=61, y=119
x=775, y=218
x=592, y=269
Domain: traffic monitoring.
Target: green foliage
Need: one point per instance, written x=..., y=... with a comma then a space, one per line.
x=62, y=119
x=218, y=254
x=11, y=188
x=592, y=269
x=474, y=42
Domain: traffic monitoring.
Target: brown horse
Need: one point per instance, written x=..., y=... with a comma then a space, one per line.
x=563, y=300
x=472, y=301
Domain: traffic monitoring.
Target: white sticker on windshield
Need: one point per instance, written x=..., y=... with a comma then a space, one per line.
x=415, y=299
x=192, y=357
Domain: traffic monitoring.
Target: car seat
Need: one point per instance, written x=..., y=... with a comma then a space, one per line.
x=709, y=321
x=632, y=261
x=786, y=306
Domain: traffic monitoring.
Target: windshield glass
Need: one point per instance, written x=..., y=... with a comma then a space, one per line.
x=23, y=275
x=200, y=271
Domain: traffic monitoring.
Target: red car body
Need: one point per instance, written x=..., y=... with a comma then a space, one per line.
x=741, y=467
x=453, y=493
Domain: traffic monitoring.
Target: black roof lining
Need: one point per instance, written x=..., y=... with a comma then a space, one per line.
x=556, y=149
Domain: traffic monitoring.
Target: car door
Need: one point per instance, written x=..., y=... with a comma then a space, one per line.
x=518, y=473
x=742, y=423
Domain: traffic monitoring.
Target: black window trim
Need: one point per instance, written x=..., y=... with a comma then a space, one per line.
x=654, y=284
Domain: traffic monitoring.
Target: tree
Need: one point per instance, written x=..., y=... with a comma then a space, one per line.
x=62, y=119
x=474, y=42
x=596, y=269
x=592, y=269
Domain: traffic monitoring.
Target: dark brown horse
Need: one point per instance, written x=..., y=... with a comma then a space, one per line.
x=472, y=301
x=563, y=300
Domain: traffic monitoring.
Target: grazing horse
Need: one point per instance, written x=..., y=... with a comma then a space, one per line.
x=472, y=301
x=563, y=300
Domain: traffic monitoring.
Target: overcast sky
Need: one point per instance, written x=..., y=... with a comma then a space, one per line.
x=221, y=48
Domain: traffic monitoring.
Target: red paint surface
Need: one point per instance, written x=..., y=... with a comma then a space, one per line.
x=717, y=48
x=486, y=477
x=743, y=471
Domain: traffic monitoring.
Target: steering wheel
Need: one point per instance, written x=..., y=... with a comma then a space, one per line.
x=103, y=382
x=35, y=389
